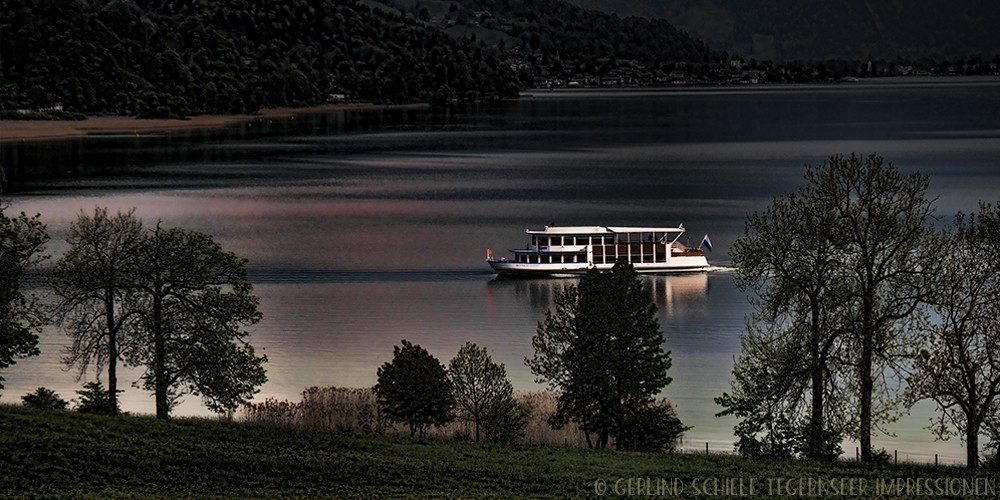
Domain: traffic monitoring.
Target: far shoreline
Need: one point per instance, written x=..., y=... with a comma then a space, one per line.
x=36, y=130
x=33, y=130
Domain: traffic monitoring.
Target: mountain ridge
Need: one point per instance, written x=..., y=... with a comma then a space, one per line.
x=787, y=30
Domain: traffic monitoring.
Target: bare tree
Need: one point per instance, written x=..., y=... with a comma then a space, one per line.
x=481, y=388
x=885, y=234
x=959, y=369
x=93, y=286
x=841, y=292
x=789, y=372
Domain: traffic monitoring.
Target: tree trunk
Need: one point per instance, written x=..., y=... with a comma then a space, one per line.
x=112, y=351
x=818, y=383
x=160, y=361
x=867, y=387
x=602, y=439
x=816, y=419
x=971, y=444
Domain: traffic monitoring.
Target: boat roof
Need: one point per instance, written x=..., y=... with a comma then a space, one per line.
x=604, y=230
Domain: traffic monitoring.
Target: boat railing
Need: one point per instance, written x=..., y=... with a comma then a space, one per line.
x=626, y=248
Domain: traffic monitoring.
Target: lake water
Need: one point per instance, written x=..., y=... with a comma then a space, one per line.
x=364, y=228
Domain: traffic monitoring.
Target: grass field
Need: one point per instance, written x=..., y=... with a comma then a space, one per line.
x=67, y=454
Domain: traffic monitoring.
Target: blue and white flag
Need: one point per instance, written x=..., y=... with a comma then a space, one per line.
x=707, y=243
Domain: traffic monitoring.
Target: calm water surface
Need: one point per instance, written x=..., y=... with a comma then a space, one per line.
x=365, y=228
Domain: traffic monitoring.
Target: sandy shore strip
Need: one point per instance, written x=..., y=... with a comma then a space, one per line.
x=26, y=130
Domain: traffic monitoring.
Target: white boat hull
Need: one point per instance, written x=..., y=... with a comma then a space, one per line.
x=685, y=264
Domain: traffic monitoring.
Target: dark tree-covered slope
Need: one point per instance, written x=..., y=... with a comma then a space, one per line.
x=558, y=28
x=181, y=57
x=786, y=30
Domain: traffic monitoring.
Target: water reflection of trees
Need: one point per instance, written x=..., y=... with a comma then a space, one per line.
x=668, y=291
x=169, y=155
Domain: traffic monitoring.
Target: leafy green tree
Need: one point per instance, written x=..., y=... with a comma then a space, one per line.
x=414, y=389
x=190, y=336
x=44, y=399
x=840, y=306
x=786, y=383
x=22, y=243
x=602, y=348
x=95, y=295
x=483, y=394
x=959, y=366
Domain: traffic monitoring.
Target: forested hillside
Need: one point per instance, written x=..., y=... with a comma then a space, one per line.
x=171, y=58
x=156, y=58
x=557, y=29
x=785, y=30
x=553, y=43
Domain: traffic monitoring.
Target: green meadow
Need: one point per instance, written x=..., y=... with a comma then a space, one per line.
x=67, y=454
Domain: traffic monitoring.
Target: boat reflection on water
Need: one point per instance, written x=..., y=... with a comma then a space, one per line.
x=701, y=314
x=673, y=294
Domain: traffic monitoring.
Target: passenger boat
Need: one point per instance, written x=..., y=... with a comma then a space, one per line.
x=557, y=250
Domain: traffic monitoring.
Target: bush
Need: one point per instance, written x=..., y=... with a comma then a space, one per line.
x=655, y=427
x=766, y=437
x=506, y=420
x=881, y=456
x=94, y=398
x=991, y=454
x=829, y=444
x=44, y=399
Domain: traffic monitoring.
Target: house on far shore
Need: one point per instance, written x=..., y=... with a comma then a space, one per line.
x=56, y=106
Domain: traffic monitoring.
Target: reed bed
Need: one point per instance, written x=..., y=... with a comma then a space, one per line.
x=355, y=410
